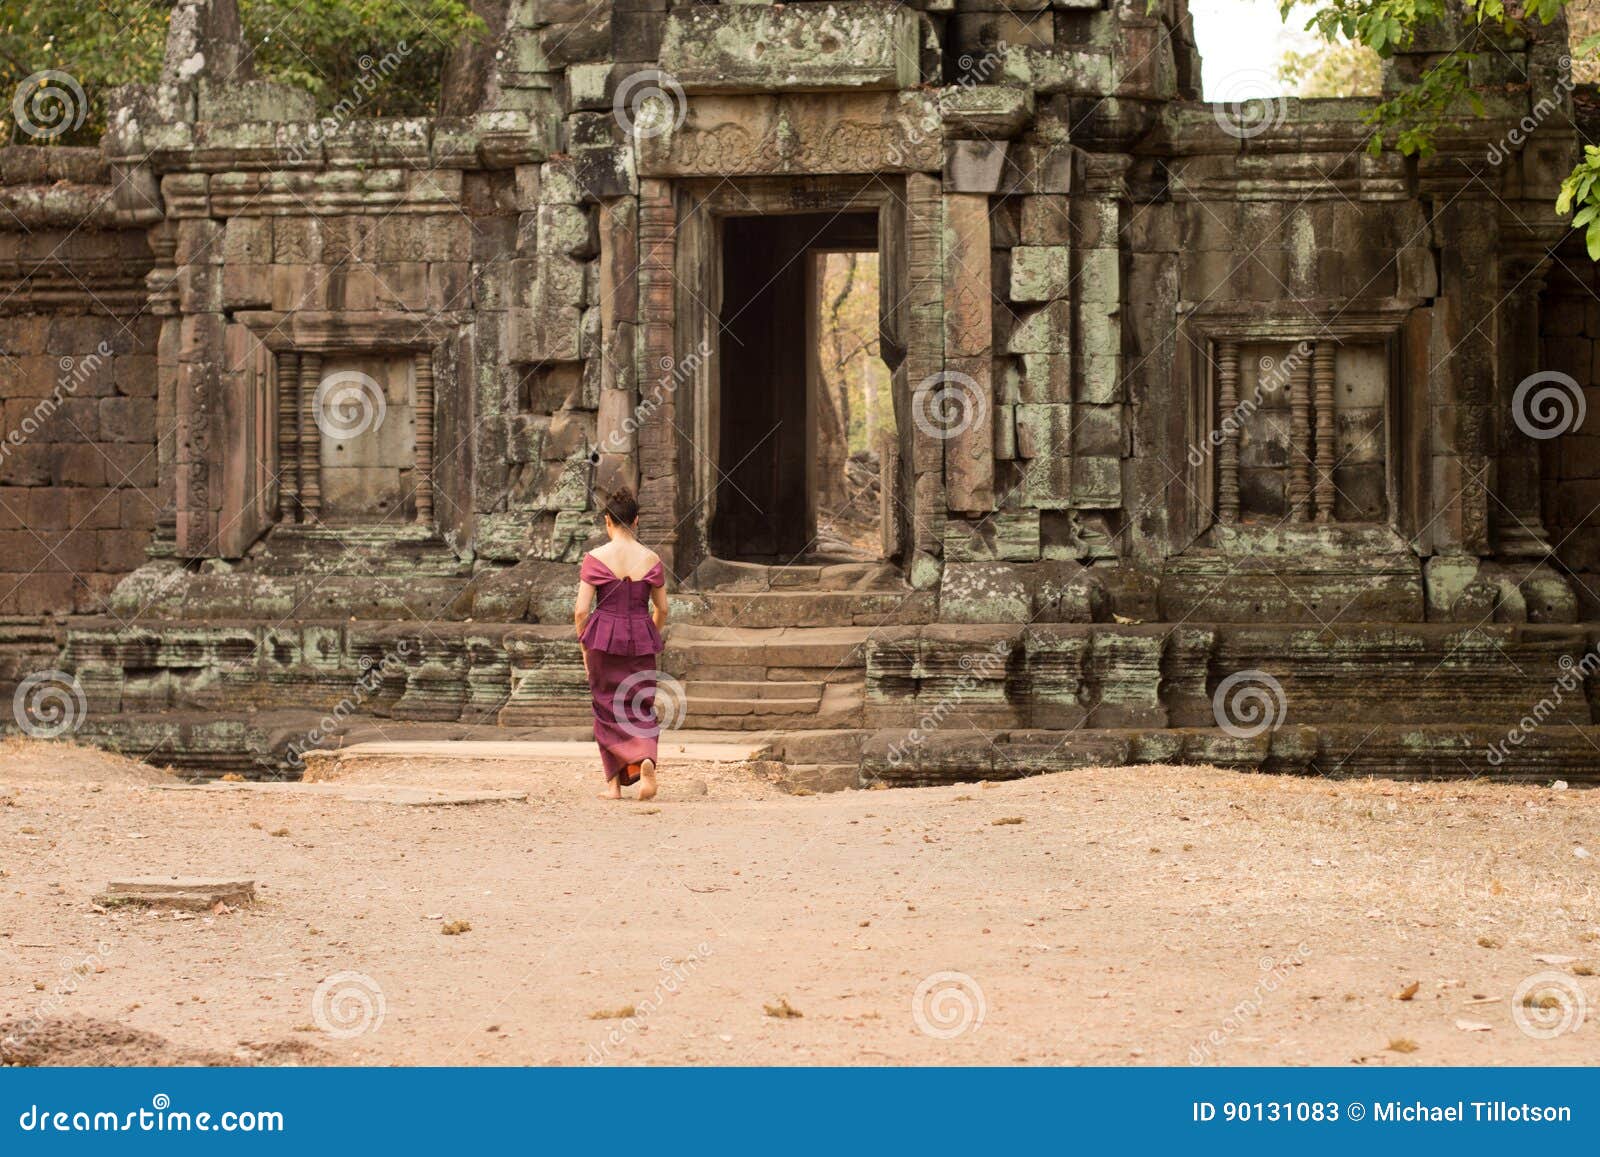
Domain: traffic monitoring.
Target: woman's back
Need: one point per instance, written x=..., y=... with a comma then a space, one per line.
x=627, y=558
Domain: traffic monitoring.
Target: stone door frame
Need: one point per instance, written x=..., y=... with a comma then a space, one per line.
x=679, y=298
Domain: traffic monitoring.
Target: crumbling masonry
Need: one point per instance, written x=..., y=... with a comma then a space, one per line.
x=1190, y=400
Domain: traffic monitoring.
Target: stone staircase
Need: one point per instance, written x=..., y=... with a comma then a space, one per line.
x=769, y=678
x=898, y=701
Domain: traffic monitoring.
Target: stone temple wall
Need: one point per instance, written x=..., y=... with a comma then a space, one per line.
x=1570, y=463
x=1181, y=389
x=78, y=460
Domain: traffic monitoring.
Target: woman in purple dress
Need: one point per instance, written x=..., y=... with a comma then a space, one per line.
x=622, y=606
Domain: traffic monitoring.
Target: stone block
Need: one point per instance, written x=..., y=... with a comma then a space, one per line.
x=1045, y=379
x=1097, y=482
x=974, y=166
x=761, y=48
x=1046, y=220
x=1045, y=330
x=1041, y=273
x=984, y=593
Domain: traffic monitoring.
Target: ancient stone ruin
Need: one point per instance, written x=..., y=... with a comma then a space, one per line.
x=1212, y=434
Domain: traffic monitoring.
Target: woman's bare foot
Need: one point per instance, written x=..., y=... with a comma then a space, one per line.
x=613, y=790
x=647, y=779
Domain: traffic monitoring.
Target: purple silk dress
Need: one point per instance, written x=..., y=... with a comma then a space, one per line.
x=622, y=644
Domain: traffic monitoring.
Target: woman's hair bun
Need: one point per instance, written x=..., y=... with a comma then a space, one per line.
x=622, y=506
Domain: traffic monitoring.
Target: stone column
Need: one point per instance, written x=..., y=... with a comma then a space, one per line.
x=620, y=379
x=924, y=362
x=424, y=452
x=1327, y=431
x=310, y=438
x=1227, y=417
x=1300, y=450
x=1519, y=531
x=288, y=376
x=968, y=400
x=657, y=436
x=1462, y=382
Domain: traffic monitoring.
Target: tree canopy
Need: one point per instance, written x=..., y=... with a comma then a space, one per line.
x=387, y=55
x=1445, y=93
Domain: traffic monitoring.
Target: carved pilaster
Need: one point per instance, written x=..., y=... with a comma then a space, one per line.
x=424, y=452
x=310, y=438
x=1227, y=415
x=1327, y=443
x=288, y=377
x=1299, y=435
x=657, y=438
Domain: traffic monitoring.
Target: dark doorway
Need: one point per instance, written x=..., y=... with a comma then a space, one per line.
x=770, y=388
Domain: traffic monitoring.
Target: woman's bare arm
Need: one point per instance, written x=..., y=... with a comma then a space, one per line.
x=658, y=606
x=585, y=603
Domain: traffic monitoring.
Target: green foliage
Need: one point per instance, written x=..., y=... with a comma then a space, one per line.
x=1331, y=70
x=1579, y=189
x=384, y=56
x=328, y=47
x=99, y=45
x=1443, y=95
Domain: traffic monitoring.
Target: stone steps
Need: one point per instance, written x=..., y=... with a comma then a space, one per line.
x=716, y=575
x=763, y=691
x=806, y=608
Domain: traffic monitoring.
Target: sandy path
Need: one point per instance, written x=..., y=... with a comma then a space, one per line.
x=1151, y=915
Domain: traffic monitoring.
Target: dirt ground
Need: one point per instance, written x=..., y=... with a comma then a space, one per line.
x=1133, y=916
